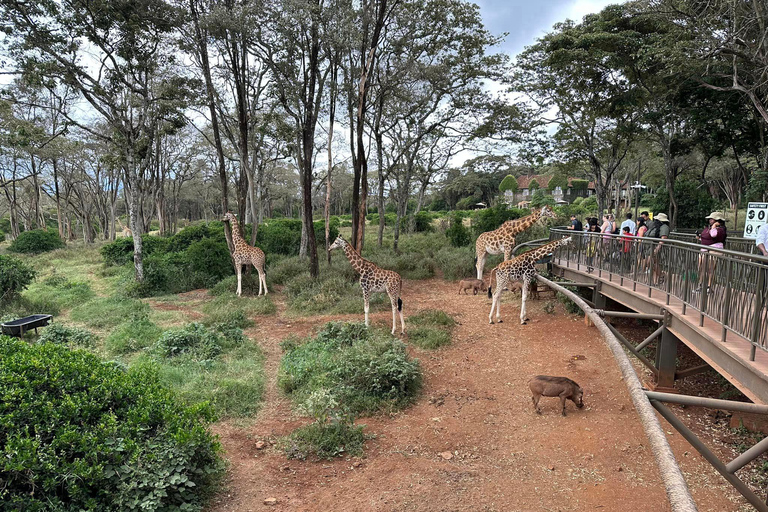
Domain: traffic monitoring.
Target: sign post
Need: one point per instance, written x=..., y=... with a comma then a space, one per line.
x=757, y=215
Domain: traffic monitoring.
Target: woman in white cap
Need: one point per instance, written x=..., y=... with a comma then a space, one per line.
x=711, y=237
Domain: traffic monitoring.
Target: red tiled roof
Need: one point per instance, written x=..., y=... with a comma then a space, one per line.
x=543, y=181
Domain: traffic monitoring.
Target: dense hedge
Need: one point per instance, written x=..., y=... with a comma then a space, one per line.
x=79, y=434
x=15, y=276
x=489, y=219
x=36, y=241
x=198, y=256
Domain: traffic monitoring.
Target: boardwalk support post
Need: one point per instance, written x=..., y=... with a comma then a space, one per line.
x=666, y=359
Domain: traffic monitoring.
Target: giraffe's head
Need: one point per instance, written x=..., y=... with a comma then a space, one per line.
x=547, y=212
x=338, y=243
x=229, y=217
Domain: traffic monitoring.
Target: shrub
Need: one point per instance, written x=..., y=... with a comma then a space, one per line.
x=120, y=251
x=79, y=434
x=457, y=234
x=456, y=263
x=15, y=276
x=491, y=218
x=195, y=337
x=280, y=236
x=36, y=241
x=210, y=257
x=136, y=334
x=332, y=434
x=65, y=335
x=194, y=233
x=570, y=306
x=364, y=369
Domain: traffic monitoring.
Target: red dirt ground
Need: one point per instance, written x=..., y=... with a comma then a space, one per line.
x=476, y=405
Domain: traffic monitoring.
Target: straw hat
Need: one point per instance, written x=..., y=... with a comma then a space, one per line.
x=716, y=216
x=662, y=217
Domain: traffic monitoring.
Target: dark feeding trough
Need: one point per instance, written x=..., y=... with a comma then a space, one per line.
x=19, y=327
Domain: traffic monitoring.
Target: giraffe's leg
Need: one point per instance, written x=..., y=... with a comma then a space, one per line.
x=393, y=300
x=366, y=297
x=500, y=285
x=239, y=279
x=480, y=264
x=400, y=311
x=526, y=288
x=261, y=277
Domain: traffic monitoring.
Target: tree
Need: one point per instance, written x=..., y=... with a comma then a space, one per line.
x=509, y=183
x=533, y=185
x=132, y=88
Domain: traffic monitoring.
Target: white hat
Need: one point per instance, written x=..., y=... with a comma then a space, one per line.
x=716, y=216
x=662, y=217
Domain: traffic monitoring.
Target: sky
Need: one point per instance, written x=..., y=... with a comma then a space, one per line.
x=526, y=20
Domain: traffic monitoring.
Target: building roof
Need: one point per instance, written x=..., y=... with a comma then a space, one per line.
x=543, y=181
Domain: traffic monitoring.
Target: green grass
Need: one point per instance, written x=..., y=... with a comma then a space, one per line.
x=230, y=309
x=134, y=335
x=324, y=440
x=104, y=313
x=233, y=382
x=430, y=329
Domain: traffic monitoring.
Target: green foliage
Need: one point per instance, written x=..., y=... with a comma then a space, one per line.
x=60, y=291
x=579, y=184
x=534, y=185
x=422, y=222
x=589, y=204
x=283, y=236
x=120, y=251
x=540, y=199
x=194, y=338
x=570, y=306
x=230, y=309
x=79, y=434
x=135, y=334
x=365, y=369
x=15, y=276
x=66, y=335
x=455, y=263
x=491, y=218
x=508, y=183
x=457, y=233
x=36, y=241
x=432, y=328
x=210, y=257
x=333, y=433
x=693, y=203
x=558, y=180
x=108, y=312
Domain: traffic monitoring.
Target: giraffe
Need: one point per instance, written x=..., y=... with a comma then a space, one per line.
x=521, y=268
x=374, y=279
x=502, y=240
x=126, y=230
x=245, y=254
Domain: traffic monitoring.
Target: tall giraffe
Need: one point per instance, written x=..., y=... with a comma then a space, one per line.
x=502, y=240
x=521, y=268
x=245, y=254
x=374, y=279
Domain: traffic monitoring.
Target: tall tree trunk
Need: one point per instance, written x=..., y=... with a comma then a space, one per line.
x=202, y=47
x=382, y=179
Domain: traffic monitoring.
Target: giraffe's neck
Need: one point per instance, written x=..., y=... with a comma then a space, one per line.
x=544, y=250
x=358, y=262
x=520, y=225
x=235, y=230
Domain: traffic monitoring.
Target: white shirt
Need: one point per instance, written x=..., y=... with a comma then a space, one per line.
x=762, y=236
x=631, y=224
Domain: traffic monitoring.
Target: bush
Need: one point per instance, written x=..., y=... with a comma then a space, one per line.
x=195, y=337
x=332, y=434
x=364, y=369
x=120, y=251
x=283, y=236
x=457, y=234
x=15, y=276
x=693, y=203
x=210, y=257
x=456, y=263
x=36, y=241
x=136, y=334
x=64, y=335
x=79, y=434
x=491, y=218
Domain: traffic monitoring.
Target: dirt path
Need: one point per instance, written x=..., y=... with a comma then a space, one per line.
x=475, y=405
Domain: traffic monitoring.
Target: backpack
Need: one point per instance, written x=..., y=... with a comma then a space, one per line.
x=654, y=230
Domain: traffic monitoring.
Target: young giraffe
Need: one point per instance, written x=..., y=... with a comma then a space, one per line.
x=245, y=254
x=375, y=279
x=521, y=268
x=502, y=240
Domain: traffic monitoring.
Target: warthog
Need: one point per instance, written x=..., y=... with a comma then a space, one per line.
x=544, y=385
x=472, y=284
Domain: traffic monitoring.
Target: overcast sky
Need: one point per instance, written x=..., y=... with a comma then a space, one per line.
x=526, y=20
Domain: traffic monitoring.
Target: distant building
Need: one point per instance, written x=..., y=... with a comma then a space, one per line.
x=567, y=196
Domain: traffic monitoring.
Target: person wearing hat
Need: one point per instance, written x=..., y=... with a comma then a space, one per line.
x=711, y=237
x=659, y=229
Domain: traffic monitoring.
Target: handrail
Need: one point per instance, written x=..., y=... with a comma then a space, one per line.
x=727, y=286
x=677, y=490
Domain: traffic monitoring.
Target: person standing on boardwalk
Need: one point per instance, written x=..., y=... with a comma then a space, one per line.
x=629, y=223
x=762, y=240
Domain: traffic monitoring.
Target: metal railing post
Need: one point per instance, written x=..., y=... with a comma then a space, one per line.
x=758, y=309
x=727, y=307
